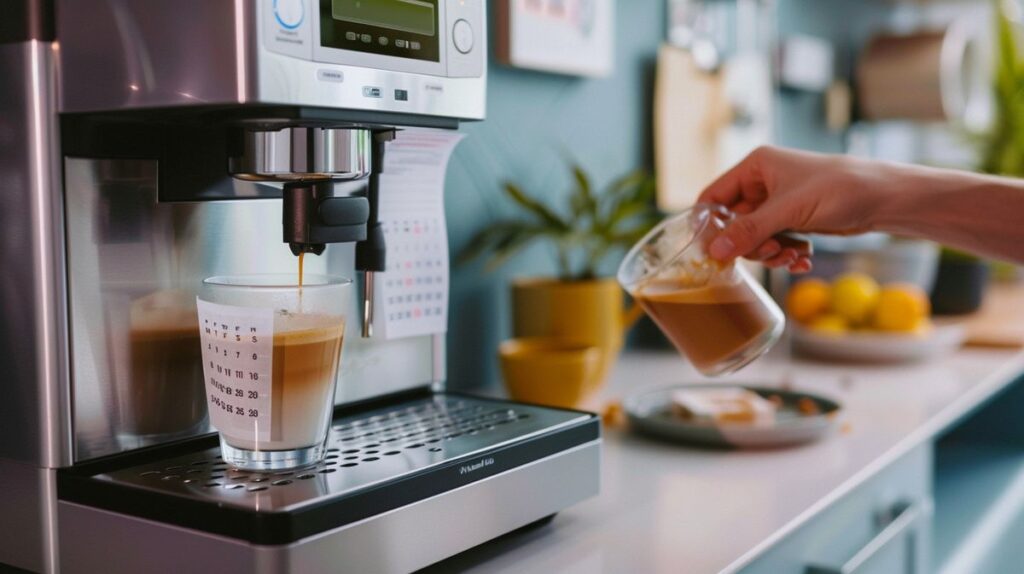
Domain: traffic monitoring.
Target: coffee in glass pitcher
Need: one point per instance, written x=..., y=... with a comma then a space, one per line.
x=714, y=313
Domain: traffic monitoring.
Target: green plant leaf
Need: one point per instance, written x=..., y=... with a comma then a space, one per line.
x=629, y=236
x=1002, y=152
x=584, y=195
x=626, y=210
x=511, y=244
x=537, y=209
x=627, y=182
x=487, y=238
x=645, y=190
x=597, y=225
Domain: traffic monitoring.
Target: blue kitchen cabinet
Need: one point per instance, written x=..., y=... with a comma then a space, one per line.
x=881, y=526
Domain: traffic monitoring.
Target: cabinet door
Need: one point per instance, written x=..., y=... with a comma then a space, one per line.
x=881, y=527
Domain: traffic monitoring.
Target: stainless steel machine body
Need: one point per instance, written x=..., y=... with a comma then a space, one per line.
x=127, y=55
x=117, y=122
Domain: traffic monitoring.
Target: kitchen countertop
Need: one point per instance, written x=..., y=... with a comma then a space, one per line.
x=671, y=508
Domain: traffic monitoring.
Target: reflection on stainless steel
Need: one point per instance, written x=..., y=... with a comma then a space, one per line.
x=298, y=153
x=28, y=524
x=134, y=267
x=35, y=407
x=32, y=297
x=367, y=304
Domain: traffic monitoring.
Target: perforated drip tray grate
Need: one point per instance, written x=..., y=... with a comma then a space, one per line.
x=377, y=460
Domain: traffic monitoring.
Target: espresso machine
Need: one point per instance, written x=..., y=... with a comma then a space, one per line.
x=147, y=144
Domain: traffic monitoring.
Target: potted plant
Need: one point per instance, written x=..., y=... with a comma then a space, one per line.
x=578, y=304
x=962, y=278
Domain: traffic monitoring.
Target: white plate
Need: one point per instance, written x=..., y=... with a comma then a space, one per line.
x=879, y=347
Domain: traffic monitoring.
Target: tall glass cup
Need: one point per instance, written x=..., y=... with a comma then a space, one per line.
x=270, y=358
x=715, y=314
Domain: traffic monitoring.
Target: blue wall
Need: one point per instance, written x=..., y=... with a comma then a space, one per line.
x=800, y=115
x=534, y=120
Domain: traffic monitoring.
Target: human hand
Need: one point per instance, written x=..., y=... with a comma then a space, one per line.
x=774, y=190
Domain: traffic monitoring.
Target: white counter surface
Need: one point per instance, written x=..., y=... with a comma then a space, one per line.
x=669, y=508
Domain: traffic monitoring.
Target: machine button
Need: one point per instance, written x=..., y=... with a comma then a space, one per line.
x=351, y=36
x=372, y=92
x=401, y=95
x=327, y=75
x=289, y=13
x=383, y=40
x=400, y=43
x=414, y=45
x=462, y=36
x=366, y=38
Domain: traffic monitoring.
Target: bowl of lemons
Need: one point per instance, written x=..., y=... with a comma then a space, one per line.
x=854, y=318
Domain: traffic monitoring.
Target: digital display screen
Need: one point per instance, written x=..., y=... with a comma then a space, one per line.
x=399, y=28
x=414, y=16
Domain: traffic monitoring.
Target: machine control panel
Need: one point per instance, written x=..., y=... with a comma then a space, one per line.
x=287, y=30
x=430, y=37
x=398, y=28
x=462, y=36
x=290, y=14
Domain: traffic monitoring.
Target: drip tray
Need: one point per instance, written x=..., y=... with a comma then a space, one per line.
x=379, y=459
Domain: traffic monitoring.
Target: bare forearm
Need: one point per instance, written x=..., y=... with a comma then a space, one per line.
x=976, y=213
x=776, y=190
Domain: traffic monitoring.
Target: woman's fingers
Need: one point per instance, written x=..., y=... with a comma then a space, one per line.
x=801, y=244
x=748, y=232
x=767, y=250
x=785, y=258
x=801, y=265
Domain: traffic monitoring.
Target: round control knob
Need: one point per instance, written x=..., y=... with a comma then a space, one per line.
x=289, y=13
x=462, y=36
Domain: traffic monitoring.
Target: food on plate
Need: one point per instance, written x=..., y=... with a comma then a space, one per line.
x=854, y=296
x=901, y=307
x=808, y=407
x=808, y=299
x=613, y=415
x=724, y=405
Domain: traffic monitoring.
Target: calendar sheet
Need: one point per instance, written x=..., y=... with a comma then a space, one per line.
x=238, y=355
x=411, y=297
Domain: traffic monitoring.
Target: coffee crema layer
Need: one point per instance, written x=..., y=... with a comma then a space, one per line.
x=711, y=324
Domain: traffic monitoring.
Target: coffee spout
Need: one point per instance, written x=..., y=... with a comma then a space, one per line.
x=312, y=218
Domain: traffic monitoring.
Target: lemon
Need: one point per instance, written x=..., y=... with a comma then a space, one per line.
x=830, y=324
x=901, y=307
x=807, y=299
x=854, y=296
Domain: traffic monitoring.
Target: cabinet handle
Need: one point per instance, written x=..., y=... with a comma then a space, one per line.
x=904, y=516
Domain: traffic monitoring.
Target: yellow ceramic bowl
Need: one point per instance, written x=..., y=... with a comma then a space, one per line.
x=549, y=370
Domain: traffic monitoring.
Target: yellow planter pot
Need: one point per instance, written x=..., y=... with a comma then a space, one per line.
x=590, y=312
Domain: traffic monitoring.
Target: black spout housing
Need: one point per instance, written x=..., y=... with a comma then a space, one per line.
x=312, y=218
